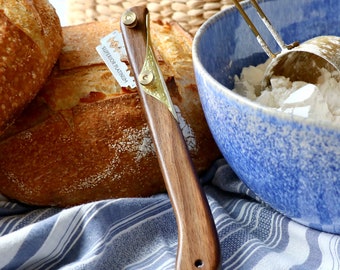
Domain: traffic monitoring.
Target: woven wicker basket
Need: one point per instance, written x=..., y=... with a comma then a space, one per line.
x=189, y=13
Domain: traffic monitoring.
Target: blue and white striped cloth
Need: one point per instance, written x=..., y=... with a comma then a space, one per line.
x=141, y=233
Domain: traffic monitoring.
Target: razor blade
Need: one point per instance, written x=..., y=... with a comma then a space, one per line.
x=112, y=51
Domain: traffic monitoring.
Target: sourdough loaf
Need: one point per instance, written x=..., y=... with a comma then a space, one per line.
x=30, y=42
x=85, y=138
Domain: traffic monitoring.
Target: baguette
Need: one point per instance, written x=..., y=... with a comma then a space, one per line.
x=84, y=138
x=30, y=42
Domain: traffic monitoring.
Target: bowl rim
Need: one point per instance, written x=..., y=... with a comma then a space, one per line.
x=272, y=112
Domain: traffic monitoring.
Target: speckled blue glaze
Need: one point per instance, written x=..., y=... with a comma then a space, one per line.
x=293, y=164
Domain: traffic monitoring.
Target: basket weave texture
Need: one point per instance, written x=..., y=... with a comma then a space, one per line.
x=191, y=14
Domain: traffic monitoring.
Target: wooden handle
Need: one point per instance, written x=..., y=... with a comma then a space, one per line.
x=198, y=245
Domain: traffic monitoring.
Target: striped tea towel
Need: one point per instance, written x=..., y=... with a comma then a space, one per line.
x=141, y=233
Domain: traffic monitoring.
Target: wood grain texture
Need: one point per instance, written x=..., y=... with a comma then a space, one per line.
x=198, y=245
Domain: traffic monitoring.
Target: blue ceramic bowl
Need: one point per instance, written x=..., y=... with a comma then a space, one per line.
x=293, y=164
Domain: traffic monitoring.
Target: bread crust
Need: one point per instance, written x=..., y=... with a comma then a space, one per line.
x=84, y=138
x=30, y=42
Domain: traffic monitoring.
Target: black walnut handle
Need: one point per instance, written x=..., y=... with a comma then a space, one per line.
x=198, y=244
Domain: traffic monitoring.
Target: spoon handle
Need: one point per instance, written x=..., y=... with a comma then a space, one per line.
x=198, y=245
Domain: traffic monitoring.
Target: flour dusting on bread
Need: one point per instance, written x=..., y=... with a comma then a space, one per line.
x=136, y=141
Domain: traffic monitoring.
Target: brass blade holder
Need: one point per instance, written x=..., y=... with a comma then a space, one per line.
x=150, y=77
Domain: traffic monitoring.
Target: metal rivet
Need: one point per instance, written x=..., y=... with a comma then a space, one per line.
x=129, y=19
x=146, y=77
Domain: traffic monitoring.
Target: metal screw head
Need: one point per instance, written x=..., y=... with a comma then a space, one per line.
x=146, y=78
x=129, y=19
